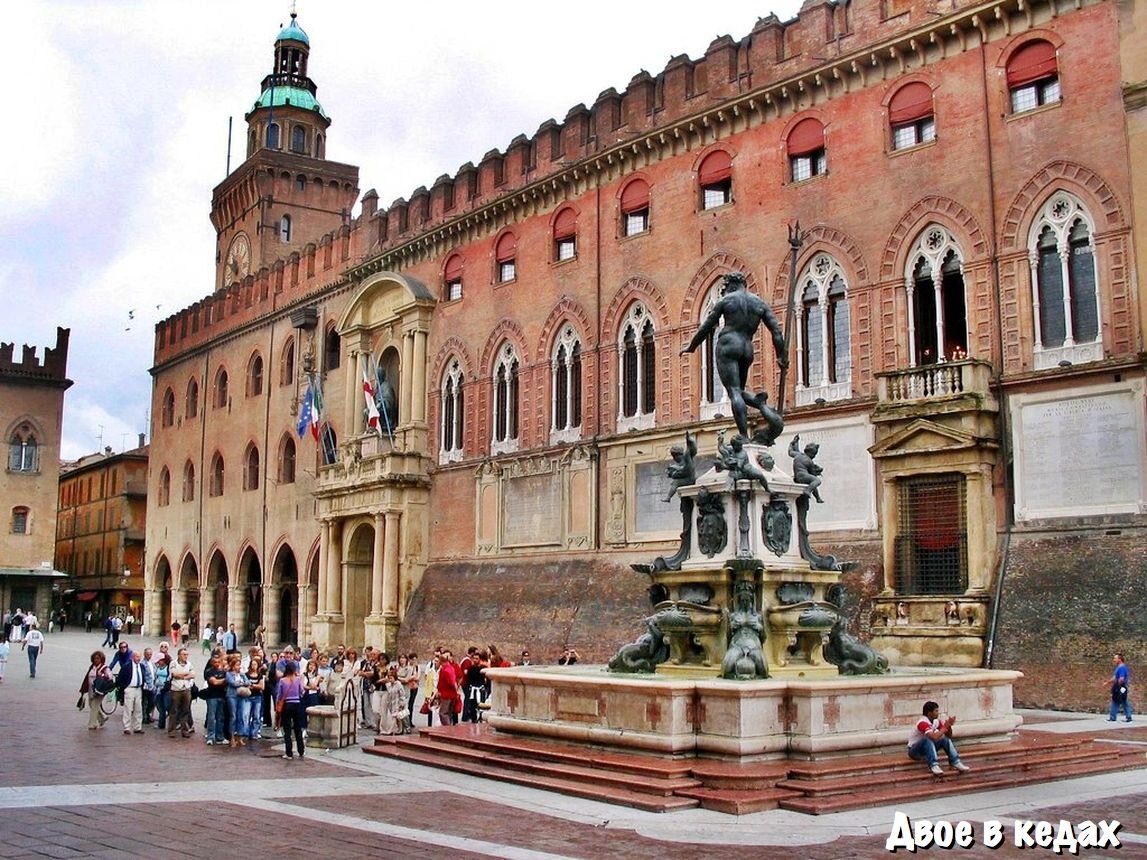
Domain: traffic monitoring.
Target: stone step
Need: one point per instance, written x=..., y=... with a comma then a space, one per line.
x=878, y=794
x=739, y=776
x=736, y=801
x=606, y=793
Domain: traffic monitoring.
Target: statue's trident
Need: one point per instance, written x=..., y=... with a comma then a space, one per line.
x=796, y=239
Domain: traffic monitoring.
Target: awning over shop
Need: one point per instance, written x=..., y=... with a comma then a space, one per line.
x=32, y=572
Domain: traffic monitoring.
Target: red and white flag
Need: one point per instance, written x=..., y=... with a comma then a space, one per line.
x=371, y=406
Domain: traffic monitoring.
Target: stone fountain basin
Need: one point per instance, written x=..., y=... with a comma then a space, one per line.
x=747, y=720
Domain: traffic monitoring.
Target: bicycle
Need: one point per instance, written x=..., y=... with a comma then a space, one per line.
x=107, y=707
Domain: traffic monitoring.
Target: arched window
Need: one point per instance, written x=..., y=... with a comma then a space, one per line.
x=300, y=183
x=505, y=417
x=565, y=235
x=167, y=409
x=164, y=487
x=191, y=406
x=566, y=406
x=20, y=520
x=220, y=399
x=287, y=460
x=638, y=395
x=714, y=398
x=273, y=136
x=1065, y=298
x=825, y=359
x=299, y=139
x=715, y=179
x=255, y=376
x=452, y=278
x=453, y=414
x=505, y=257
x=251, y=468
x=287, y=365
x=216, y=487
x=320, y=150
x=285, y=229
x=189, y=481
x=635, y=208
x=937, y=313
x=911, y=116
x=1033, y=76
x=23, y=452
x=332, y=349
x=808, y=156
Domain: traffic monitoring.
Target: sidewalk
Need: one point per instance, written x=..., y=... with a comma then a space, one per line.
x=68, y=792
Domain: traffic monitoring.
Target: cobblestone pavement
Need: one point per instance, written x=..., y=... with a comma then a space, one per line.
x=69, y=792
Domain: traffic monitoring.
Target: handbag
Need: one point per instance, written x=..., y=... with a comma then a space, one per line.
x=80, y=702
x=243, y=692
x=279, y=706
x=425, y=709
x=102, y=686
x=194, y=691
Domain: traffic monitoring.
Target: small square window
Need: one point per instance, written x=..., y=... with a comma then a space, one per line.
x=1036, y=94
x=507, y=271
x=566, y=249
x=636, y=222
x=808, y=166
x=715, y=195
x=454, y=290
x=914, y=133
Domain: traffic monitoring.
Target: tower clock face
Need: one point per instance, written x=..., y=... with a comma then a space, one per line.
x=238, y=264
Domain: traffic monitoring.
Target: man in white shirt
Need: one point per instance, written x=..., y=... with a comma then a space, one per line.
x=135, y=681
x=33, y=643
x=149, y=687
x=182, y=676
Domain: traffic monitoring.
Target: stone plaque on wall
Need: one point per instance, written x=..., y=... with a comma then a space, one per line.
x=1079, y=452
x=531, y=510
x=849, y=486
x=653, y=513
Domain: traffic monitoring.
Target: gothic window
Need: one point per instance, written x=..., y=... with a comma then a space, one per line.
x=1033, y=76
x=164, y=487
x=287, y=366
x=911, y=116
x=23, y=452
x=808, y=156
x=638, y=395
x=220, y=398
x=1065, y=298
x=20, y=520
x=273, y=136
x=931, y=539
x=191, y=406
x=565, y=235
x=216, y=486
x=189, y=481
x=251, y=468
x=452, y=424
x=332, y=348
x=452, y=278
x=255, y=376
x=505, y=417
x=824, y=371
x=287, y=460
x=714, y=399
x=635, y=208
x=285, y=229
x=937, y=313
x=715, y=178
x=566, y=406
x=167, y=409
x=505, y=257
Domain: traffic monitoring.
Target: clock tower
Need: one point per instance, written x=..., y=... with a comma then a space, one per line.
x=286, y=193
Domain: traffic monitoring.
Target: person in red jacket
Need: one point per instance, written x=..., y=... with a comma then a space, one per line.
x=447, y=691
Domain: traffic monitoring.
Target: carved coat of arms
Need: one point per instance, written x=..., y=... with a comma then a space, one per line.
x=712, y=530
x=778, y=526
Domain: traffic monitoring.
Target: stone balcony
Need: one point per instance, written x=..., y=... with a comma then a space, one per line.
x=370, y=461
x=935, y=381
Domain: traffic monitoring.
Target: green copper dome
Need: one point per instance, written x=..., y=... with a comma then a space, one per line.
x=293, y=96
x=293, y=32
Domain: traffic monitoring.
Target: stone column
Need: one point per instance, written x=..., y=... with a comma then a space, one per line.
x=376, y=571
x=1033, y=264
x=179, y=607
x=206, y=606
x=938, y=289
x=308, y=608
x=271, y=597
x=406, y=380
x=390, y=565
x=1065, y=276
x=237, y=610
x=418, y=379
x=910, y=291
x=334, y=583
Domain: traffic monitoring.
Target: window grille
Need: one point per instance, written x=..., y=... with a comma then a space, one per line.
x=932, y=539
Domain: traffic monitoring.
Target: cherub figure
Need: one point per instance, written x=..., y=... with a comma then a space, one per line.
x=805, y=471
x=735, y=460
x=682, y=471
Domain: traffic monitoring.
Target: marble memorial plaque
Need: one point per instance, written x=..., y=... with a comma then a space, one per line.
x=849, y=488
x=531, y=510
x=654, y=514
x=1079, y=453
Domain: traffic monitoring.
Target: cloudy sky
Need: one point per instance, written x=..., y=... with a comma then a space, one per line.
x=122, y=108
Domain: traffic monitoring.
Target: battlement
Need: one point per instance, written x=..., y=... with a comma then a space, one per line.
x=54, y=367
x=805, y=60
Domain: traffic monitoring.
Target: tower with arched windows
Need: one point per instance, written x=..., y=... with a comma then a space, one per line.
x=286, y=193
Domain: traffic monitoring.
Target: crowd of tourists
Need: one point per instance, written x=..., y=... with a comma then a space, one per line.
x=251, y=693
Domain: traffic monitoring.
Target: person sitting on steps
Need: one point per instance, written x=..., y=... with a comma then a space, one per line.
x=931, y=734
